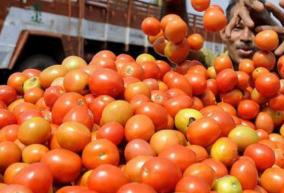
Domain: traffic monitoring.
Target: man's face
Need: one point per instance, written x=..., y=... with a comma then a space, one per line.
x=241, y=43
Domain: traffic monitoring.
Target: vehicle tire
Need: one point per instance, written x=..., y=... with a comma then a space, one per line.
x=39, y=61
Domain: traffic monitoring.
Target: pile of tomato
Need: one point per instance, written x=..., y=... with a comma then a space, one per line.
x=121, y=124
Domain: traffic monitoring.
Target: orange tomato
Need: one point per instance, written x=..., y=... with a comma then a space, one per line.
x=267, y=40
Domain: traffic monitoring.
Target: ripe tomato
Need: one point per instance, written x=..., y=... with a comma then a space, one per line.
x=264, y=59
x=248, y=109
x=16, y=80
x=105, y=54
x=151, y=69
x=12, y=170
x=262, y=155
x=98, y=152
x=73, y=136
x=175, y=104
x=34, y=130
x=104, y=174
x=151, y=26
x=37, y=177
x=264, y=121
x=134, y=166
x=65, y=161
x=161, y=174
x=7, y=94
x=33, y=95
x=219, y=168
x=163, y=66
x=6, y=118
x=200, y=152
x=138, y=100
x=267, y=84
x=177, y=53
x=202, y=171
x=33, y=153
x=64, y=103
x=80, y=114
x=139, y=127
x=246, y=172
x=277, y=102
x=224, y=120
x=9, y=154
x=48, y=75
x=247, y=66
x=112, y=131
x=137, y=88
x=105, y=81
x=99, y=62
x=176, y=30
x=198, y=83
x=51, y=94
x=179, y=155
x=98, y=105
x=74, y=189
x=192, y=184
x=214, y=19
x=272, y=180
x=136, y=187
x=203, y=131
x=76, y=81
x=15, y=188
x=137, y=147
x=195, y=41
x=222, y=62
x=131, y=69
x=267, y=40
x=30, y=72
x=175, y=80
x=226, y=80
x=200, y=5
x=168, y=18
x=9, y=132
x=157, y=113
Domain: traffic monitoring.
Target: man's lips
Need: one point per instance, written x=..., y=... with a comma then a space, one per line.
x=245, y=51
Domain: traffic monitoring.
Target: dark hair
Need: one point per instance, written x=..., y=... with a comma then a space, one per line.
x=232, y=3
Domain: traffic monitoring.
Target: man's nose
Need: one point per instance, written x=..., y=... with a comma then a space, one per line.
x=247, y=34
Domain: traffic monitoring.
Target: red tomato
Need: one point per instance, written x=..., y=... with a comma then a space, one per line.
x=131, y=69
x=100, y=178
x=203, y=131
x=163, y=66
x=105, y=81
x=277, y=102
x=80, y=114
x=138, y=147
x=37, y=177
x=179, y=155
x=197, y=82
x=192, y=184
x=98, y=152
x=112, y=131
x=267, y=84
x=200, y=5
x=176, y=80
x=262, y=155
x=151, y=69
x=246, y=172
x=9, y=154
x=6, y=118
x=156, y=112
x=174, y=104
x=9, y=133
x=64, y=104
x=151, y=26
x=214, y=19
x=74, y=189
x=272, y=180
x=219, y=168
x=65, y=161
x=226, y=80
x=51, y=94
x=7, y=94
x=98, y=105
x=136, y=187
x=202, y=171
x=161, y=174
x=15, y=188
x=248, y=109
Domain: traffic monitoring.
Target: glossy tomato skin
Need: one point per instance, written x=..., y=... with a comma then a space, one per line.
x=272, y=180
x=137, y=147
x=106, y=179
x=112, y=131
x=65, y=161
x=263, y=155
x=65, y=103
x=248, y=109
x=7, y=94
x=74, y=189
x=246, y=172
x=106, y=82
x=192, y=184
x=37, y=177
x=137, y=188
x=51, y=94
x=15, y=188
x=219, y=168
x=226, y=80
x=161, y=174
x=6, y=118
x=267, y=84
x=98, y=152
x=180, y=155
